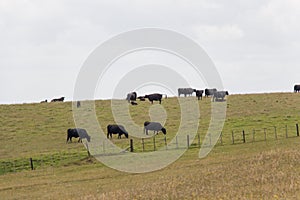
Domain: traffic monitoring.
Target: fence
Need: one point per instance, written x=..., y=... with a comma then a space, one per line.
x=41, y=161
x=265, y=134
x=236, y=136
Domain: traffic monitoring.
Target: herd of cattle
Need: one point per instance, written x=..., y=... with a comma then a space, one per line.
x=216, y=95
x=61, y=99
x=148, y=126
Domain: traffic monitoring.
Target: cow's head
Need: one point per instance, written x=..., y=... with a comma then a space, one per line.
x=126, y=134
x=88, y=138
x=164, y=131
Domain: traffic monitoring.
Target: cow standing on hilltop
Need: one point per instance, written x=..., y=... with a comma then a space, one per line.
x=59, y=99
x=296, y=88
x=220, y=95
x=154, y=97
x=131, y=96
x=199, y=94
x=209, y=92
x=186, y=91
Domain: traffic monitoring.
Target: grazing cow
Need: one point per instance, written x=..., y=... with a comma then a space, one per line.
x=116, y=129
x=133, y=103
x=186, y=91
x=199, y=94
x=141, y=98
x=59, y=99
x=44, y=101
x=131, y=96
x=154, y=97
x=77, y=132
x=220, y=95
x=296, y=88
x=209, y=92
x=154, y=126
x=78, y=104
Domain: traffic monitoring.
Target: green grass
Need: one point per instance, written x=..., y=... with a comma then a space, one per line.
x=258, y=169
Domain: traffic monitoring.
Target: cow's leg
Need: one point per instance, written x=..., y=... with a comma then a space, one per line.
x=107, y=135
x=160, y=101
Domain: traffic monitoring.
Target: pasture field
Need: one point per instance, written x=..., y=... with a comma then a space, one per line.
x=266, y=167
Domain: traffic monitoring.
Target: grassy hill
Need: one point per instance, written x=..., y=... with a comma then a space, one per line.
x=257, y=169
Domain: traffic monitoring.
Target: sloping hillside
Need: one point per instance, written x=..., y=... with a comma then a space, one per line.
x=266, y=166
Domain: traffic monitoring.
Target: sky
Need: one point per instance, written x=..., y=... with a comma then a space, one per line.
x=254, y=44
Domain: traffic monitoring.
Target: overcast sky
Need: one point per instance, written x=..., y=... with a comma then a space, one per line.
x=254, y=44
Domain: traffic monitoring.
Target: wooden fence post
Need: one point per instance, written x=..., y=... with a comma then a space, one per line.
x=232, y=135
x=253, y=135
x=198, y=139
x=188, y=141
x=131, y=145
x=154, y=146
x=244, y=138
x=297, y=129
x=265, y=134
x=143, y=144
x=31, y=163
x=275, y=129
x=221, y=138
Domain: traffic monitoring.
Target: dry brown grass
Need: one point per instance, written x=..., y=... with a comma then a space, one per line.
x=270, y=171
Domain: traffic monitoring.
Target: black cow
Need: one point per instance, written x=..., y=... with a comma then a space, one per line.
x=133, y=103
x=186, y=91
x=44, y=101
x=77, y=132
x=116, y=129
x=154, y=97
x=199, y=94
x=296, y=88
x=210, y=92
x=131, y=96
x=220, y=95
x=154, y=126
x=78, y=104
x=141, y=98
x=59, y=99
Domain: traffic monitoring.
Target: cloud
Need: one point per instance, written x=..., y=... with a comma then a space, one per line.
x=214, y=33
x=56, y=36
